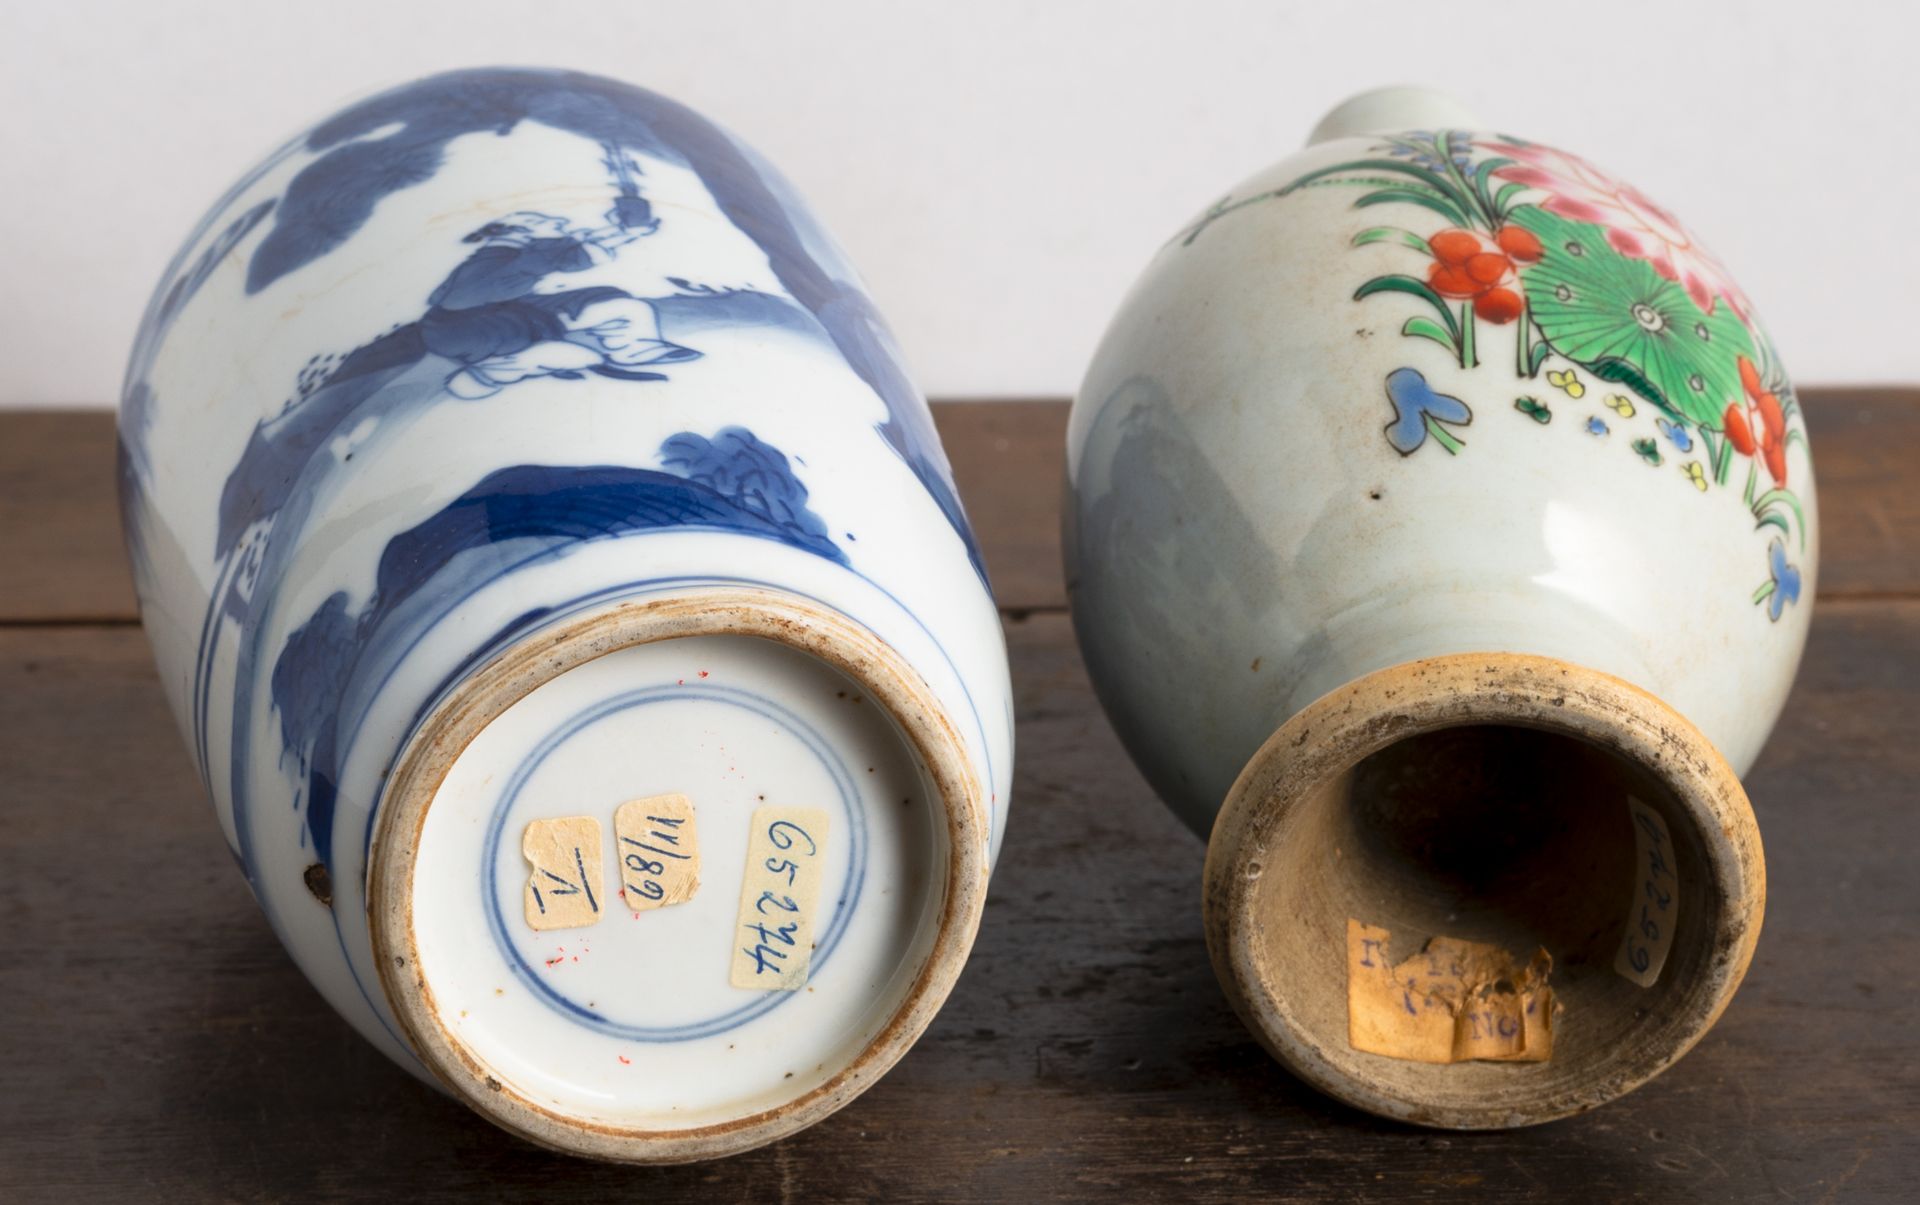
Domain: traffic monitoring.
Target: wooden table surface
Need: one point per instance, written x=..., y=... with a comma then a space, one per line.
x=158, y=1045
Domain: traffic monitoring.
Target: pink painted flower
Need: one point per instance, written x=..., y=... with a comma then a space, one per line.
x=1635, y=225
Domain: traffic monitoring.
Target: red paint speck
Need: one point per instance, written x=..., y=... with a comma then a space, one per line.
x=703, y=673
x=623, y=1058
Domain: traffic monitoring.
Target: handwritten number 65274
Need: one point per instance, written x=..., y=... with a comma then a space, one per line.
x=785, y=903
x=783, y=866
x=783, y=832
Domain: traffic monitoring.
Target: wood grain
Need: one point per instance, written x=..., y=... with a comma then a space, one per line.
x=59, y=519
x=58, y=516
x=159, y=1045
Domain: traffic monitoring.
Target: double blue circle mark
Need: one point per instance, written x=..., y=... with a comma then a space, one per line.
x=856, y=827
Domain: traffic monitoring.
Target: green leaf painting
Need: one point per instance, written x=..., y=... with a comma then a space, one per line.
x=1596, y=281
x=1627, y=323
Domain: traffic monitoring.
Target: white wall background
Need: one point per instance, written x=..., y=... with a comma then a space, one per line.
x=1000, y=170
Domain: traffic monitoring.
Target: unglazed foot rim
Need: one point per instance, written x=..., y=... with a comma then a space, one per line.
x=789, y=620
x=1334, y=736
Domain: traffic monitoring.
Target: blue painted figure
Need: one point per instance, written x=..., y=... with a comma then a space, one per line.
x=507, y=314
x=490, y=317
x=527, y=398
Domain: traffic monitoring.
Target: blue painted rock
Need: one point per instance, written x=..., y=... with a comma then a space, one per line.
x=564, y=594
x=1442, y=540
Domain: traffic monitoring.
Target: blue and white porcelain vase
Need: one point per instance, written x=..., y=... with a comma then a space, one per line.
x=564, y=594
x=1441, y=540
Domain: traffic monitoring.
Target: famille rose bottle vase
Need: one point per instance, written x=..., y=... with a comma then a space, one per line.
x=564, y=594
x=1441, y=539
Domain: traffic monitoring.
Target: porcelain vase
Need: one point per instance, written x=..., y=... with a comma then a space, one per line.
x=563, y=592
x=1441, y=539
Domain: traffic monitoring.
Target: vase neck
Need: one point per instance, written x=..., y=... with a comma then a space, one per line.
x=1390, y=110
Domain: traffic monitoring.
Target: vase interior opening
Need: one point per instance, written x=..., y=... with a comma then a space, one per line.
x=1514, y=836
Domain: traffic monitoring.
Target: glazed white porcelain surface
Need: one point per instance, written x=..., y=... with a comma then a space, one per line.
x=489, y=354
x=689, y=1047
x=1261, y=510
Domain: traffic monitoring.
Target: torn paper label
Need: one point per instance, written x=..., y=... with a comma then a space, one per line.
x=564, y=885
x=1654, y=905
x=773, y=938
x=1452, y=1001
x=658, y=850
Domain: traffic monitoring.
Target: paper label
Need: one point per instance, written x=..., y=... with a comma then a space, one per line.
x=1654, y=905
x=659, y=851
x=773, y=940
x=564, y=888
x=1453, y=1001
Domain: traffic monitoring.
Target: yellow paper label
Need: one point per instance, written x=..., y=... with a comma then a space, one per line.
x=659, y=851
x=1654, y=906
x=1452, y=1001
x=564, y=887
x=773, y=940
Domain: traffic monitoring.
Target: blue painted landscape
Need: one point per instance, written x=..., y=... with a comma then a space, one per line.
x=506, y=314
x=487, y=322
x=334, y=663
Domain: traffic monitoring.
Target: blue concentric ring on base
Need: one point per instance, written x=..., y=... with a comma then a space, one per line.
x=844, y=906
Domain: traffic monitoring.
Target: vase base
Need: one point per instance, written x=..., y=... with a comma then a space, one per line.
x=1387, y=869
x=677, y=878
